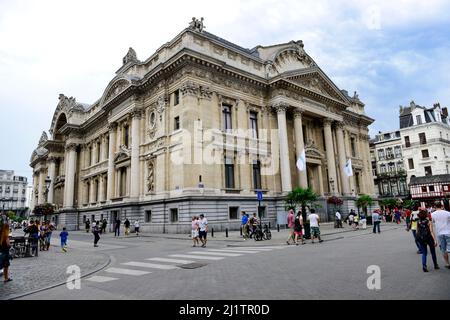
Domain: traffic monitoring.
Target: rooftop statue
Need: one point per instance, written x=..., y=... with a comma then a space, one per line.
x=196, y=24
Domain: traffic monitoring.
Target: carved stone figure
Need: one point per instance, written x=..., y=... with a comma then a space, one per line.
x=196, y=24
x=151, y=177
x=131, y=56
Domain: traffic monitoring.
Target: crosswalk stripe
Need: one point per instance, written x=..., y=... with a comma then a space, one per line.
x=171, y=260
x=232, y=251
x=100, y=279
x=216, y=253
x=255, y=249
x=150, y=265
x=191, y=256
x=127, y=271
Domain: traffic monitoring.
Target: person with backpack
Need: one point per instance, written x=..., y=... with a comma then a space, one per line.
x=425, y=237
x=298, y=228
x=413, y=228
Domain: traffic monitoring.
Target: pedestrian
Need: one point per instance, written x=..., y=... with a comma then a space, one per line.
x=64, y=235
x=194, y=231
x=48, y=235
x=104, y=224
x=253, y=224
x=136, y=227
x=376, y=220
x=314, y=222
x=414, y=221
x=441, y=219
x=5, y=245
x=356, y=222
x=291, y=225
x=298, y=228
x=117, y=228
x=363, y=221
x=96, y=231
x=244, y=225
x=203, y=229
x=42, y=231
x=338, y=219
x=426, y=238
x=88, y=225
x=397, y=216
x=127, y=227
x=408, y=219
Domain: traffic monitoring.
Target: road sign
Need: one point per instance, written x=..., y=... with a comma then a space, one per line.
x=260, y=195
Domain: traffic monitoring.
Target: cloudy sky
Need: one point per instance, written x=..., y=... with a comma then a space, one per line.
x=391, y=52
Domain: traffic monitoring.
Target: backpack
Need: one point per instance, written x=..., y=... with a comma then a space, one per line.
x=423, y=233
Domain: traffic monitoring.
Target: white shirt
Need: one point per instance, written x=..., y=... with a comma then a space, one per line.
x=202, y=224
x=314, y=220
x=136, y=224
x=441, y=219
x=338, y=215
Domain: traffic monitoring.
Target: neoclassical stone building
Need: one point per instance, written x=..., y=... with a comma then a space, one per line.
x=199, y=127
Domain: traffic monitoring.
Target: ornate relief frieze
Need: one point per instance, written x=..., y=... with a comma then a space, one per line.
x=280, y=107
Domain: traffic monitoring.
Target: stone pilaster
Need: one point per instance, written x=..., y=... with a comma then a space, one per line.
x=111, y=174
x=52, y=176
x=330, y=156
x=342, y=158
x=299, y=145
x=41, y=187
x=135, y=143
x=286, y=184
x=69, y=186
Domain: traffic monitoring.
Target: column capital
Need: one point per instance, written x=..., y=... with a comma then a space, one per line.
x=298, y=112
x=136, y=113
x=112, y=126
x=339, y=124
x=280, y=107
x=71, y=146
x=52, y=159
x=327, y=121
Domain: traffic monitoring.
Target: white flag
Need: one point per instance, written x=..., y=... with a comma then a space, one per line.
x=301, y=162
x=348, y=168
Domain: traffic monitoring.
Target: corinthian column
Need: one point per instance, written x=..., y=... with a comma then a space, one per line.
x=330, y=156
x=41, y=186
x=52, y=176
x=342, y=158
x=286, y=185
x=135, y=142
x=111, y=150
x=69, y=185
x=299, y=145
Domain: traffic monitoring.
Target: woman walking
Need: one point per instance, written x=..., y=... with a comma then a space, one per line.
x=194, y=231
x=96, y=231
x=298, y=227
x=4, y=251
x=425, y=237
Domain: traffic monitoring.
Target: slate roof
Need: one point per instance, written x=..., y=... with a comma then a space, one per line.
x=439, y=178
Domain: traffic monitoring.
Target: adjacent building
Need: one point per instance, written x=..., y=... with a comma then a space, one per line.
x=13, y=193
x=201, y=126
x=429, y=189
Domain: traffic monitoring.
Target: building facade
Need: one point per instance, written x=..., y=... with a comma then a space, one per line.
x=425, y=140
x=199, y=127
x=13, y=192
x=429, y=189
x=388, y=165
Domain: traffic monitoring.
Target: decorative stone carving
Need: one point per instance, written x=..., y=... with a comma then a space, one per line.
x=136, y=113
x=280, y=107
x=71, y=146
x=112, y=126
x=130, y=57
x=196, y=25
x=298, y=113
x=327, y=121
x=43, y=138
x=117, y=88
x=311, y=150
x=189, y=88
x=151, y=176
x=161, y=105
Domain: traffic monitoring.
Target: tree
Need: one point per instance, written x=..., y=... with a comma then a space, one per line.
x=409, y=204
x=43, y=209
x=363, y=202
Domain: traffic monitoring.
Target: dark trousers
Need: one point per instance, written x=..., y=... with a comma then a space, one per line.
x=96, y=238
x=117, y=232
x=415, y=240
x=423, y=249
x=376, y=226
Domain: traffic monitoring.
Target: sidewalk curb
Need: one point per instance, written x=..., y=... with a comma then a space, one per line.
x=108, y=262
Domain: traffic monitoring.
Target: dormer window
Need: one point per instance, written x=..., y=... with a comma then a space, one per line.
x=419, y=119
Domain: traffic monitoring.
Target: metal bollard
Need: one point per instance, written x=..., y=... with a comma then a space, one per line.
x=278, y=227
x=226, y=233
x=240, y=230
x=212, y=232
x=269, y=224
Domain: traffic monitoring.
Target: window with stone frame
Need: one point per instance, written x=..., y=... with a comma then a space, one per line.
x=254, y=124
x=428, y=171
x=126, y=133
x=389, y=154
x=381, y=154
x=226, y=118
x=229, y=173
x=176, y=97
x=422, y=138
x=257, y=175
x=123, y=182
x=176, y=123
x=398, y=152
x=425, y=153
x=407, y=142
x=148, y=216
x=353, y=146
x=174, y=215
x=411, y=163
x=233, y=213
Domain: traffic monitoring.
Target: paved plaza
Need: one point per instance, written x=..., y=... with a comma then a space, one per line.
x=168, y=267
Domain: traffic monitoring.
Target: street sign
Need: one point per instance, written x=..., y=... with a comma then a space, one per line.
x=260, y=195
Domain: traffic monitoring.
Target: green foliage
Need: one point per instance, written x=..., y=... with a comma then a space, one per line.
x=301, y=197
x=409, y=204
x=43, y=209
x=364, y=201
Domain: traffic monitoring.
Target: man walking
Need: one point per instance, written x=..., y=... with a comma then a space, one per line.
x=127, y=227
x=104, y=224
x=203, y=229
x=96, y=232
x=338, y=220
x=244, y=225
x=291, y=225
x=314, y=224
x=136, y=227
x=376, y=220
x=88, y=224
x=441, y=219
x=117, y=228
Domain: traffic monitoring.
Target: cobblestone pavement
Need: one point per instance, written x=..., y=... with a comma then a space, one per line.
x=48, y=269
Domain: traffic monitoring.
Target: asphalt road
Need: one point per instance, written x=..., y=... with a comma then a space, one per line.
x=155, y=268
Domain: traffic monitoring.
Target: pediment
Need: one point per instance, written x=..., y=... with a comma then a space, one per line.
x=122, y=155
x=118, y=85
x=318, y=84
x=311, y=150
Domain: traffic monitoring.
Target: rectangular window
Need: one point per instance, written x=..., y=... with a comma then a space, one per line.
x=126, y=136
x=98, y=151
x=424, y=189
x=123, y=182
x=233, y=213
x=431, y=188
x=381, y=154
x=226, y=117
x=422, y=138
x=407, y=142
x=176, y=97
x=398, y=152
x=411, y=164
x=446, y=187
x=174, y=215
x=257, y=175
x=352, y=145
x=419, y=119
x=425, y=153
x=428, y=171
x=148, y=215
x=176, y=124
x=261, y=212
x=229, y=173
x=254, y=124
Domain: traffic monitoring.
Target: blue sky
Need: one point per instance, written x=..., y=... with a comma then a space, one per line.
x=390, y=52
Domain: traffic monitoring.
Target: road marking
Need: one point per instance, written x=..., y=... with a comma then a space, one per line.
x=150, y=265
x=100, y=279
x=216, y=253
x=171, y=260
x=232, y=251
x=191, y=256
x=127, y=271
x=255, y=249
x=267, y=247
